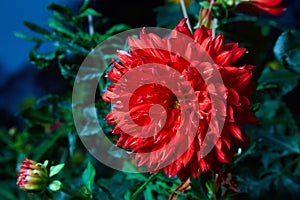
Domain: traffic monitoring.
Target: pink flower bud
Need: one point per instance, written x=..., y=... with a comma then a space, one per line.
x=32, y=176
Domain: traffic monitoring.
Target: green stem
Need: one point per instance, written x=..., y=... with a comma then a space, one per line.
x=247, y=152
x=91, y=26
x=142, y=187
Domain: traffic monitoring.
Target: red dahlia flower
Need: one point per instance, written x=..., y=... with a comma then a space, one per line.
x=272, y=7
x=237, y=87
x=32, y=176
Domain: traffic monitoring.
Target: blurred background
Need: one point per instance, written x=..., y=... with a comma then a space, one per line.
x=20, y=81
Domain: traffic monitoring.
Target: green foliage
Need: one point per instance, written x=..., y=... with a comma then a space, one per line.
x=55, y=169
x=66, y=31
x=287, y=49
x=276, y=154
x=55, y=185
x=88, y=177
x=282, y=80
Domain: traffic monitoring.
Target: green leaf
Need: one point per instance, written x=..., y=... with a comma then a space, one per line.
x=289, y=144
x=37, y=28
x=127, y=195
x=46, y=162
x=67, y=71
x=284, y=79
x=204, y=4
x=209, y=185
x=89, y=12
x=67, y=45
x=61, y=9
x=41, y=60
x=287, y=49
x=148, y=194
x=59, y=27
x=42, y=115
x=28, y=37
x=56, y=169
x=101, y=194
x=293, y=58
x=45, y=145
x=198, y=186
x=88, y=177
x=117, y=185
x=287, y=187
x=55, y=185
x=268, y=110
x=117, y=28
x=84, y=5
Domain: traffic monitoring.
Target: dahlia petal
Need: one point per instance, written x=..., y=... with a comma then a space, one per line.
x=226, y=139
x=171, y=170
x=245, y=102
x=249, y=90
x=223, y=153
x=209, y=32
x=218, y=42
x=271, y=10
x=236, y=78
x=108, y=96
x=223, y=58
x=186, y=157
x=182, y=27
x=258, y=7
x=200, y=34
x=233, y=97
x=117, y=131
x=194, y=168
x=230, y=46
x=114, y=75
x=230, y=114
x=207, y=45
x=110, y=118
x=268, y=2
x=206, y=162
x=235, y=131
x=241, y=143
x=237, y=53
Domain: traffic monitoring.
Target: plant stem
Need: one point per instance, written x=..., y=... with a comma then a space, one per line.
x=185, y=15
x=91, y=26
x=247, y=152
x=142, y=187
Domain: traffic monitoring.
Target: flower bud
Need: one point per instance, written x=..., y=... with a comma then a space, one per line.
x=205, y=17
x=32, y=176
